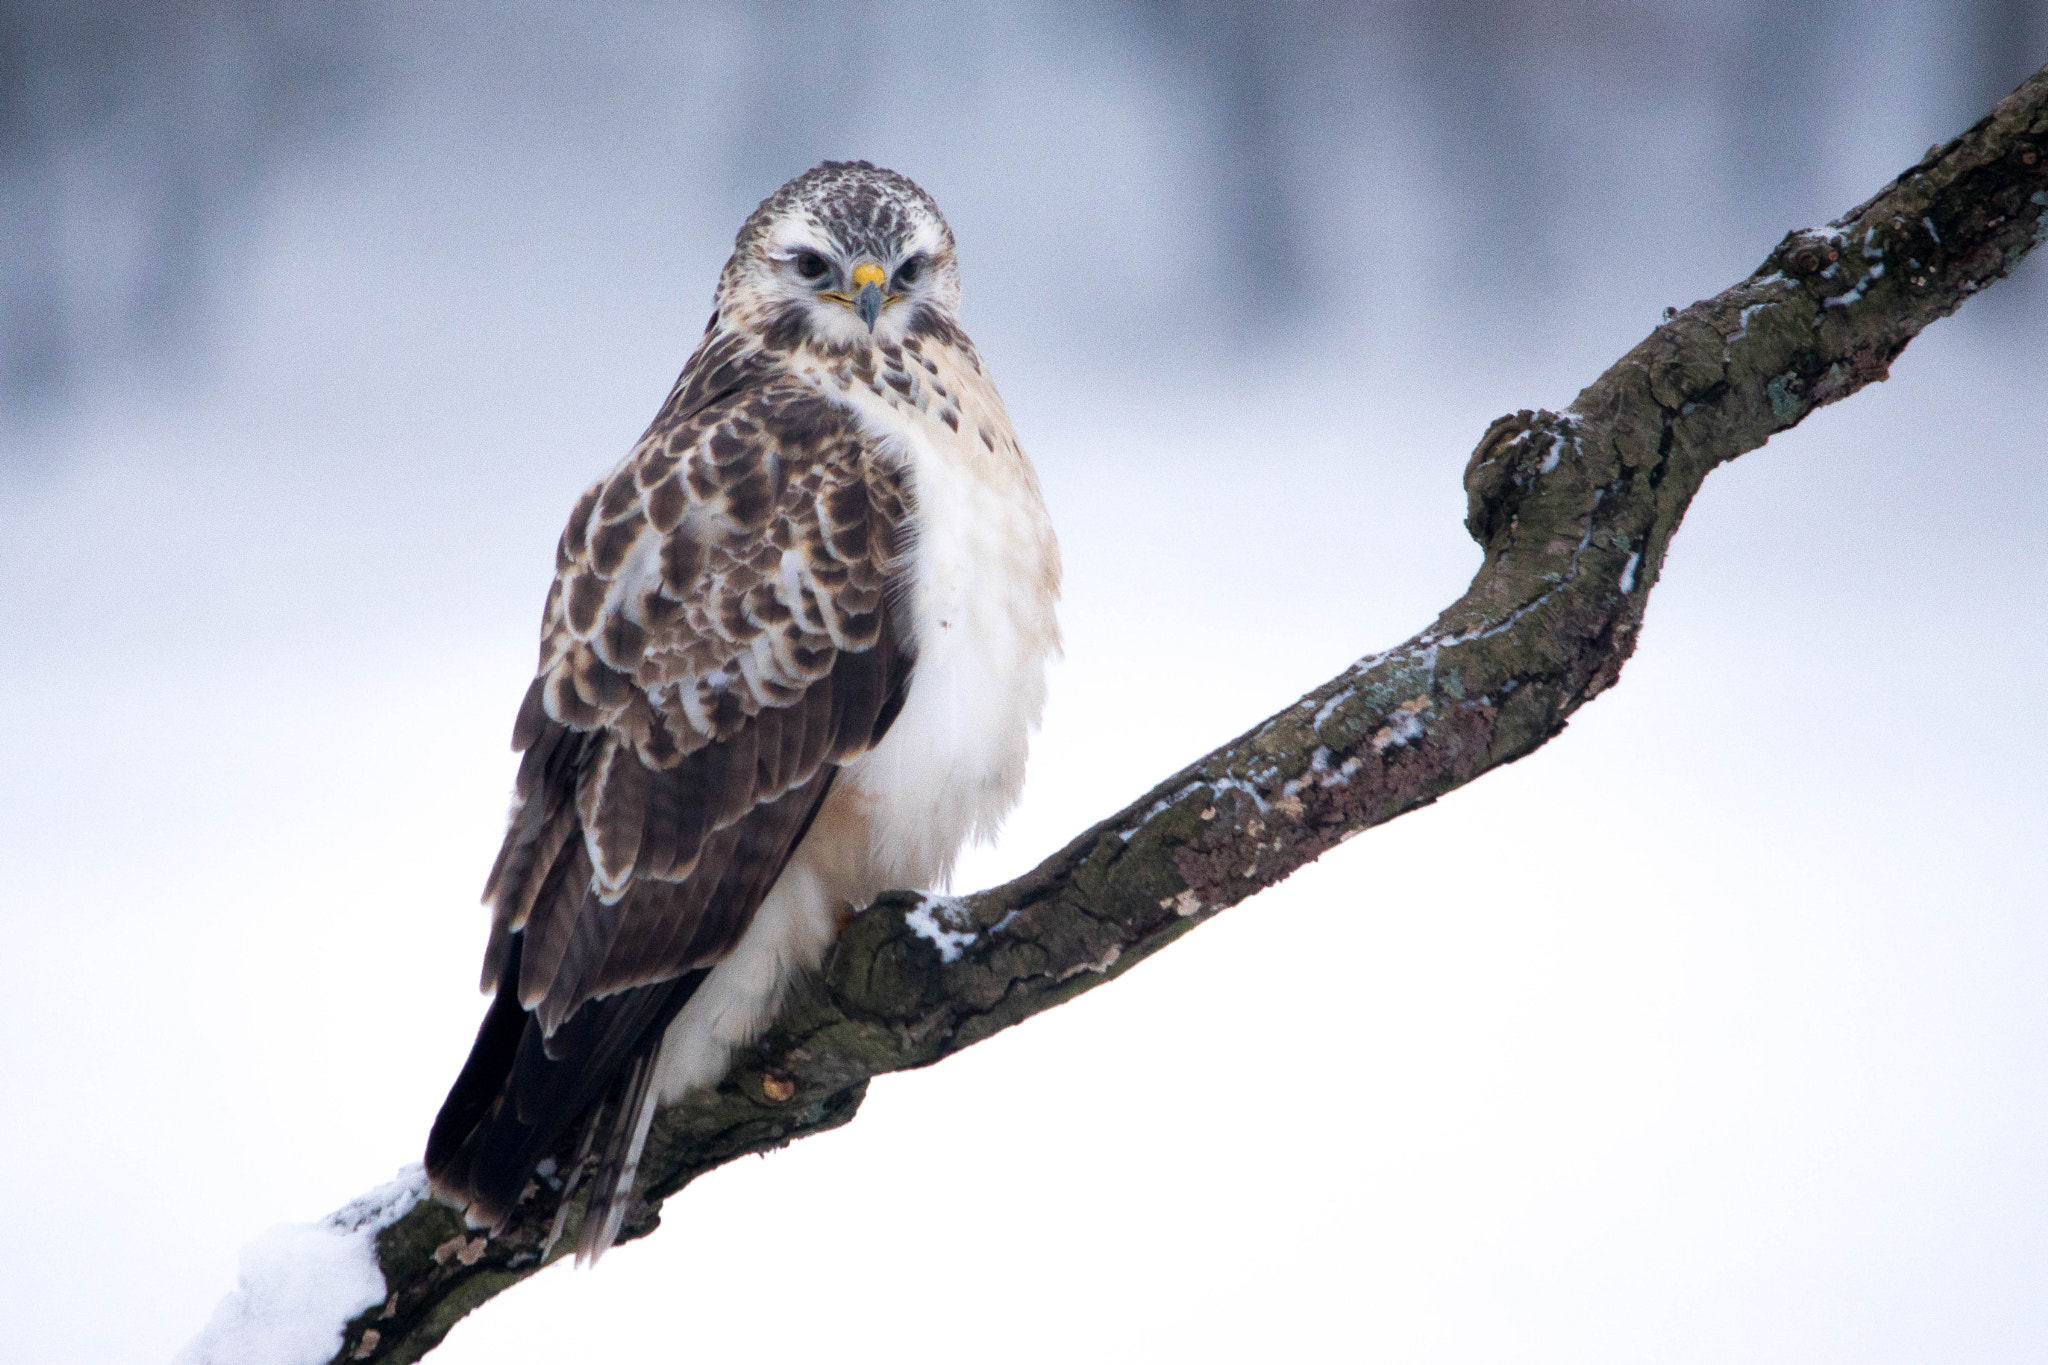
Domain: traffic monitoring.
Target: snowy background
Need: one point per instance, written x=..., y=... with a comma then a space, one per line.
x=1714, y=1031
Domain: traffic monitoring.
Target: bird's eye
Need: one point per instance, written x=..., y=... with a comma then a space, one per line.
x=908, y=272
x=811, y=265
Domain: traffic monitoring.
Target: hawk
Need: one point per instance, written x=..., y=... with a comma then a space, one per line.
x=792, y=657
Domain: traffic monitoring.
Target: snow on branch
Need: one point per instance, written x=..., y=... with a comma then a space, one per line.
x=302, y=1282
x=1574, y=510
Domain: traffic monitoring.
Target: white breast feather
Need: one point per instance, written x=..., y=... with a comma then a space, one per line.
x=952, y=766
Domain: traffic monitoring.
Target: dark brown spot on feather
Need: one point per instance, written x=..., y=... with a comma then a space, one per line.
x=724, y=447
x=659, y=749
x=609, y=547
x=666, y=503
x=703, y=479
x=808, y=423
x=749, y=500
x=726, y=710
x=620, y=494
x=764, y=607
x=585, y=599
x=732, y=616
x=926, y=321
x=660, y=610
x=860, y=629
x=565, y=706
x=682, y=559
x=622, y=640
x=951, y=419
x=681, y=437
x=573, y=537
x=787, y=330
x=532, y=716
x=846, y=502
x=597, y=680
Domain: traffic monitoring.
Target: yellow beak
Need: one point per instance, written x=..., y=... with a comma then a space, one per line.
x=867, y=299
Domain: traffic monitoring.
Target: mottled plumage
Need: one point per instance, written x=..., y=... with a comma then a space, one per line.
x=791, y=657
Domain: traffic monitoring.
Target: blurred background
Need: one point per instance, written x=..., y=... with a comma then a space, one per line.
x=1713, y=1031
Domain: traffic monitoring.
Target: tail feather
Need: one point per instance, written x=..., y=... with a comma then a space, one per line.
x=611, y=1186
x=521, y=1094
x=571, y=1178
x=477, y=1090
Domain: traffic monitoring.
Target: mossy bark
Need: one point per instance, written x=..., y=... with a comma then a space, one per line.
x=1574, y=510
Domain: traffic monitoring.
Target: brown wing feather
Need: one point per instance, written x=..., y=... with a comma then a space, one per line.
x=718, y=638
x=712, y=594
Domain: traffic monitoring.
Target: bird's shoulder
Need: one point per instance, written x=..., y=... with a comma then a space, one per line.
x=743, y=544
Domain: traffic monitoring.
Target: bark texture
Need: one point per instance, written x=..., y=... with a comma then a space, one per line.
x=1574, y=509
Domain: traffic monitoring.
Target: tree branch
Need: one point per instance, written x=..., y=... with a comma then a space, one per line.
x=1574, y=510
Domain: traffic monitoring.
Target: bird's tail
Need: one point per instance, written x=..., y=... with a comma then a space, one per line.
x=514, y=1111
x=611, y=1171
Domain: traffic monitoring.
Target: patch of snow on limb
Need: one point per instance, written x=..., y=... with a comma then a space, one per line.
x=1403, y=727
x=302, y=1282
x=927, y=925
x=1854, y=294
x=1557, y=446
x=1329, y=707
x=1742, y=322
x=1871, y=252
x=1238, y=784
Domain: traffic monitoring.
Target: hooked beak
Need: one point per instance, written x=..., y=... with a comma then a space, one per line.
x=868, y=302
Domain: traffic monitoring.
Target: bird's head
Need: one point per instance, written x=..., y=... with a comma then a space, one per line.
x=844, y=256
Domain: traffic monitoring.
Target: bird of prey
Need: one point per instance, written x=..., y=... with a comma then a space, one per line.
x=792, y=656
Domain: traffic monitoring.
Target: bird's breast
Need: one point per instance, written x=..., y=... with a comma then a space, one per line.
x=982, y=581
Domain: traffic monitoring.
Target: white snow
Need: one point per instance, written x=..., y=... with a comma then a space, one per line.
x=1329, y=707
x=1874, y=274
x=1628, y=573
x=1742, y=323
x=1156, y=808
x=1226, y=784
x=929, y=925
x=1403, y=727
x=1319, y=773
x=301, y=1283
